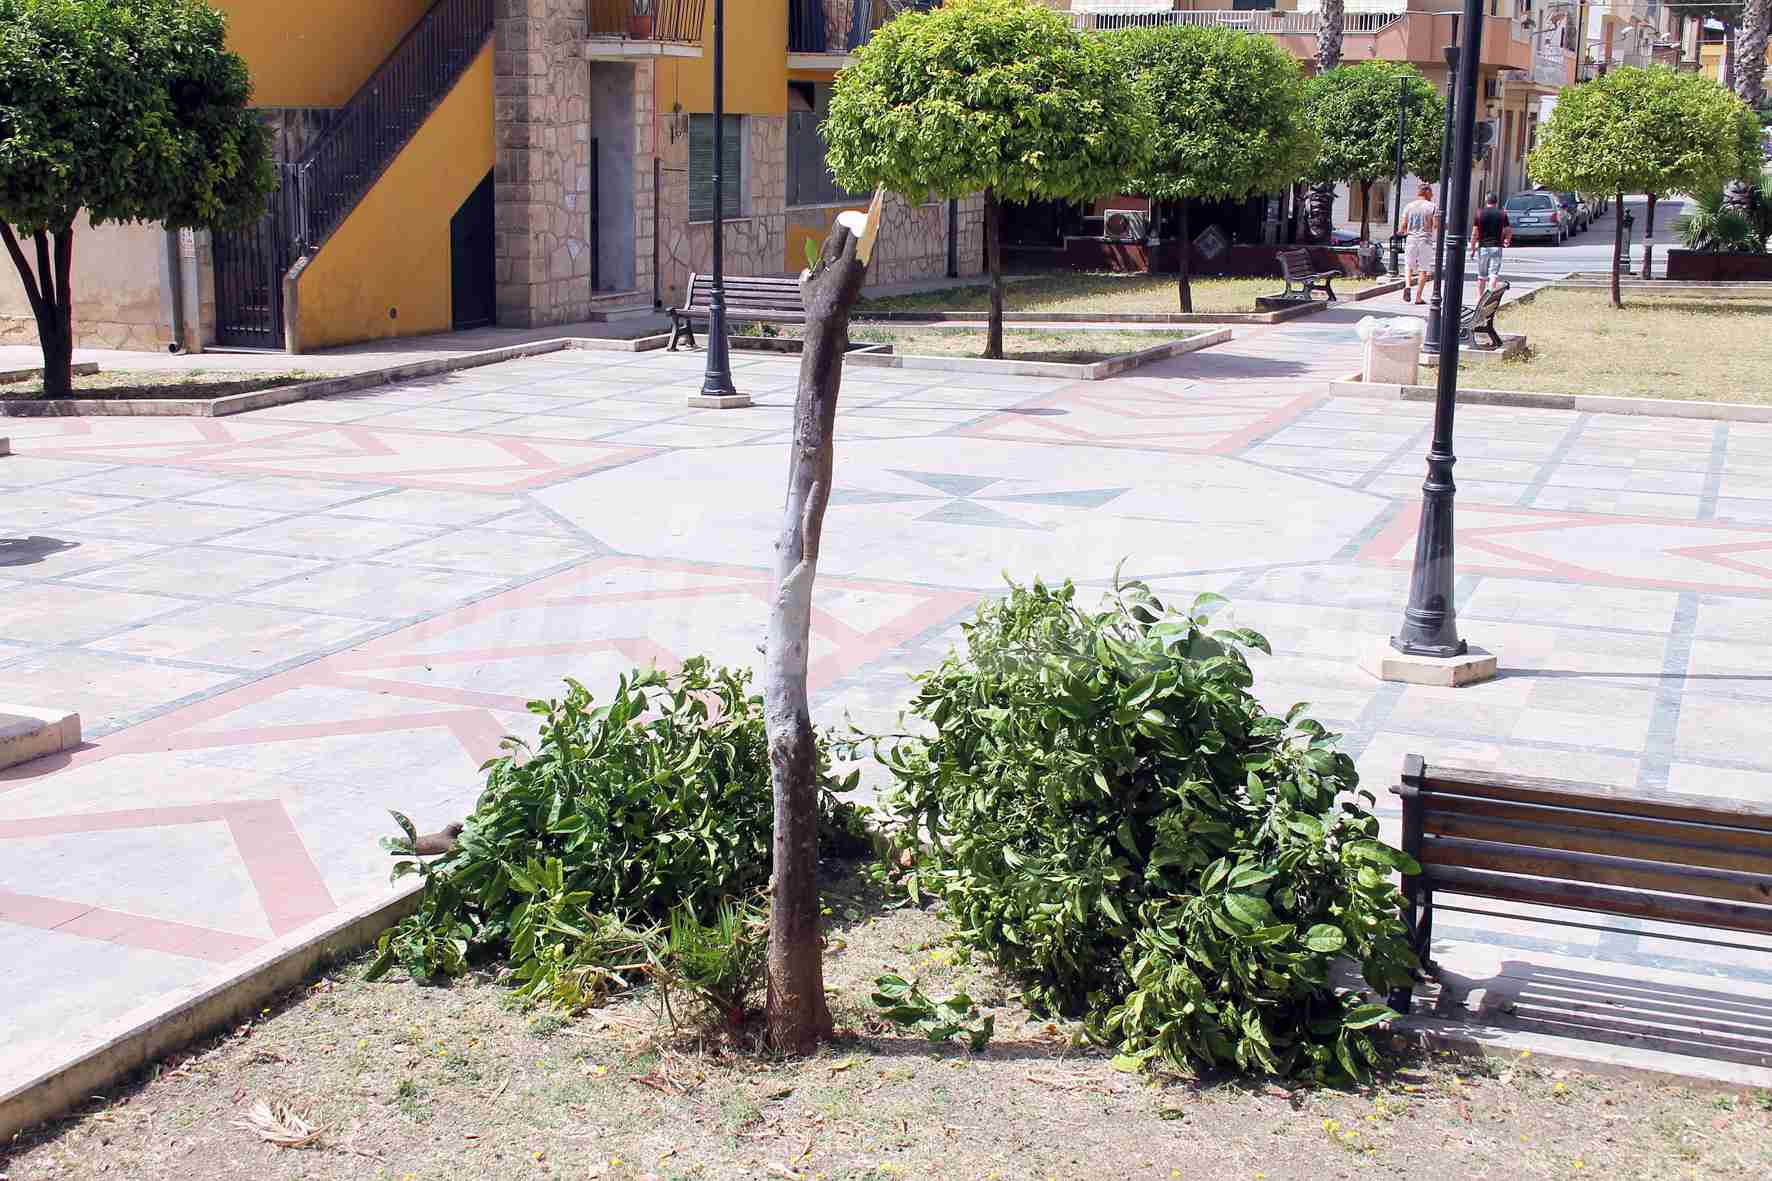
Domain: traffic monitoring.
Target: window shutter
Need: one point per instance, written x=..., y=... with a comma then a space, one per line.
x=701, y=167
x=731, y=178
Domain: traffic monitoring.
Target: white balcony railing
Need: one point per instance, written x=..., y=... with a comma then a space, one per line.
x=1357, y=24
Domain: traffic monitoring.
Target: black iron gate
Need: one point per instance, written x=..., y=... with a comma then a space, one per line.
x=249, y=269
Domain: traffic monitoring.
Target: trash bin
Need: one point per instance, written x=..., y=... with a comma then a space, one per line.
x=1392, y=353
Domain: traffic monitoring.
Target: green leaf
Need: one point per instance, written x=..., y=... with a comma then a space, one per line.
x=1325, y=938
x=1366, y=1016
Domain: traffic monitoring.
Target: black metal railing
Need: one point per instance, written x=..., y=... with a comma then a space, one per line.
x=806, y=29
x=384, y=115
x=678, y=21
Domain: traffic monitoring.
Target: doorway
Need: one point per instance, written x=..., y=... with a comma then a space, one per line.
x=471, y=261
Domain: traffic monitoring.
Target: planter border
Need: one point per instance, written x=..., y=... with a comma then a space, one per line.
x=1093, y=371
x=324, y=387
x=1352, y=386
x=1103, y=318
x=79, y=369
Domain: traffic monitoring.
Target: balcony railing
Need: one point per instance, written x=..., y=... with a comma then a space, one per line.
x=1355, y=24
x=842, y=26
x=677, y=21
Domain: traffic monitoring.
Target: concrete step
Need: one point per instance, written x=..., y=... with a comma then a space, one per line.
x=29, y=732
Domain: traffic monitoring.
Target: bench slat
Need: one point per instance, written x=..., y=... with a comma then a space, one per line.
x=1697, y=912
x=1737, y=849
x=1629, y=873
x=1527, y=789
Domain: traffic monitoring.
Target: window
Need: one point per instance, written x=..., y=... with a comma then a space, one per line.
x=809, y=181
x=701, y=168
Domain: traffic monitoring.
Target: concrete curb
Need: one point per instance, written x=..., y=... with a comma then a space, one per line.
x=1353, y=387
x=30, y=732
x=81, y=369
x=1094, y=371
x=155, y=1029
x=326, y=387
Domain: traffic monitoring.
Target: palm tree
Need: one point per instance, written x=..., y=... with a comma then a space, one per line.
x=1331, y=19
x=1749, y=82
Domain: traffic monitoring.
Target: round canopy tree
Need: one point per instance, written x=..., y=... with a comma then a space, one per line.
x=1232, y=117
x=128, y=111
x=1001, y=96
x=1353, y=110
x=1645, y=130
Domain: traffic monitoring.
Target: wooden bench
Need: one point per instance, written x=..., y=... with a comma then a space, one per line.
x=748, y=298
x=1482, y=317
x=1633, y=853
x=1301, y=280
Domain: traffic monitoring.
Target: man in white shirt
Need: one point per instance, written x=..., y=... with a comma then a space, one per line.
x=1421, y=221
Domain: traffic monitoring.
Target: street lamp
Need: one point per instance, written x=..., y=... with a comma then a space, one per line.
x=1432, y=343
x=1397, y=192
x=1430, y=622
x=716, y=385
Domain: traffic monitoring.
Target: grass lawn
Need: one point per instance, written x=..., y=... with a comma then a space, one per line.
x=1656, y=347
x=1076, y=347
x=142, y=384
x=418, y=1083
x=1092, y=291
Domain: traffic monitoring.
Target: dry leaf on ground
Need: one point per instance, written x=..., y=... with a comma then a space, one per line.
x=277, y=1124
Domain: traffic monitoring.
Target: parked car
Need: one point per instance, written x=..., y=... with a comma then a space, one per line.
x=1536, y=215
x=1575, y=218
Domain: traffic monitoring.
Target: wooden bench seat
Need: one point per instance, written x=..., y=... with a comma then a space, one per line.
x=752, y=298
x=1546, y=842
x=1482, y=317
x=1301, y=279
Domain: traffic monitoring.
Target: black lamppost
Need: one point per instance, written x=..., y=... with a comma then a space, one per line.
x=1430, y=622
x=1432, y=343
x=717, y=383
x=1397, y=192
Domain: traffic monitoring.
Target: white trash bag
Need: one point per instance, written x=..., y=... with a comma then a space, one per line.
x=1392, y=352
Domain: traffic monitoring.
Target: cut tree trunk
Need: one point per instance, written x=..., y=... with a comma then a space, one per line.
x=1322, y=212
x=1749, y=82
x=993, y=252
x=1184, y=256
x=49, y=289
x=1617, y=250
x=799, y=1017
x=1649, y=240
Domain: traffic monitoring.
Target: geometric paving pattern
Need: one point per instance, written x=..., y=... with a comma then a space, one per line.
x=281, y=625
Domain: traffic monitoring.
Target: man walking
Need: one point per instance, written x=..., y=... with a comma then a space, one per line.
x=1421, y=221
x=1490, y=233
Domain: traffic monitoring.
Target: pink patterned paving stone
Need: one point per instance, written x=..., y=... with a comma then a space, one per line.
x=329, y=451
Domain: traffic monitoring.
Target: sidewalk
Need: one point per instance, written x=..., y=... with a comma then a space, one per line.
x=281, y=625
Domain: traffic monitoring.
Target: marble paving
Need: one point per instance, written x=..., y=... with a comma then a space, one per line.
x=279, y=626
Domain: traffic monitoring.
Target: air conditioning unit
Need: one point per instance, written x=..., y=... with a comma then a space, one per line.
x=1125, y=225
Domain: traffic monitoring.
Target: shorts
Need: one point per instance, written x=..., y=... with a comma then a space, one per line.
x=1420, y=255
x=1488, y=262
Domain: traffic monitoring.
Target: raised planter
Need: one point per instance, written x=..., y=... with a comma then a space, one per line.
x=1276, y=316
x=1707, y=266
x=1352, y=387
x=1093, y=371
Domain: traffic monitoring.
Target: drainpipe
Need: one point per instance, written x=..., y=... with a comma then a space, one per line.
x=190, y=285
x=175, y=290
x=953, y=238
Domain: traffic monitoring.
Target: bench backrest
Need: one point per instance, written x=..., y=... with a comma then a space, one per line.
x=1295, y=264
x=748, y=293
x=1649, y=854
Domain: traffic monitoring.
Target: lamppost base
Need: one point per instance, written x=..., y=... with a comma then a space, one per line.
x=718, y=401
x=1383, y=661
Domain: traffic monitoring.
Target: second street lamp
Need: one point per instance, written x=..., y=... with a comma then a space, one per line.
x=1432, y=343
x=717, y=389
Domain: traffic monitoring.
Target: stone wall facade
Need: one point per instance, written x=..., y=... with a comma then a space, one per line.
x=541, y=123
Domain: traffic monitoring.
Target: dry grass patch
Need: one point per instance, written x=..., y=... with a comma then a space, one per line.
x=136, y=385
x=398, y=1081
x=1655, y=347
x=1077, y=347
x=1095, y=291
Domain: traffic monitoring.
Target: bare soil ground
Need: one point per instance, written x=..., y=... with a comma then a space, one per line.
x=147, y=384
x=1095, y=291
x=1076, y=347
x=409, y=1082
x=1654, y=347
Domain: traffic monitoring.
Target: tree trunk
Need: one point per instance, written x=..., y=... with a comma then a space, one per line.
x=1649, y=240
x=1365, y=196
x=799, y=1017
x=993, y=251
x=1331, y=22
x=1749, y=82
x=49, y=289
x=1322, y=212
x=1617, y=249
x=1184, y=255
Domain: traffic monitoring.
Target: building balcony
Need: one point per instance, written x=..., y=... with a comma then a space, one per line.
x=822, y=34
x=620, y=30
